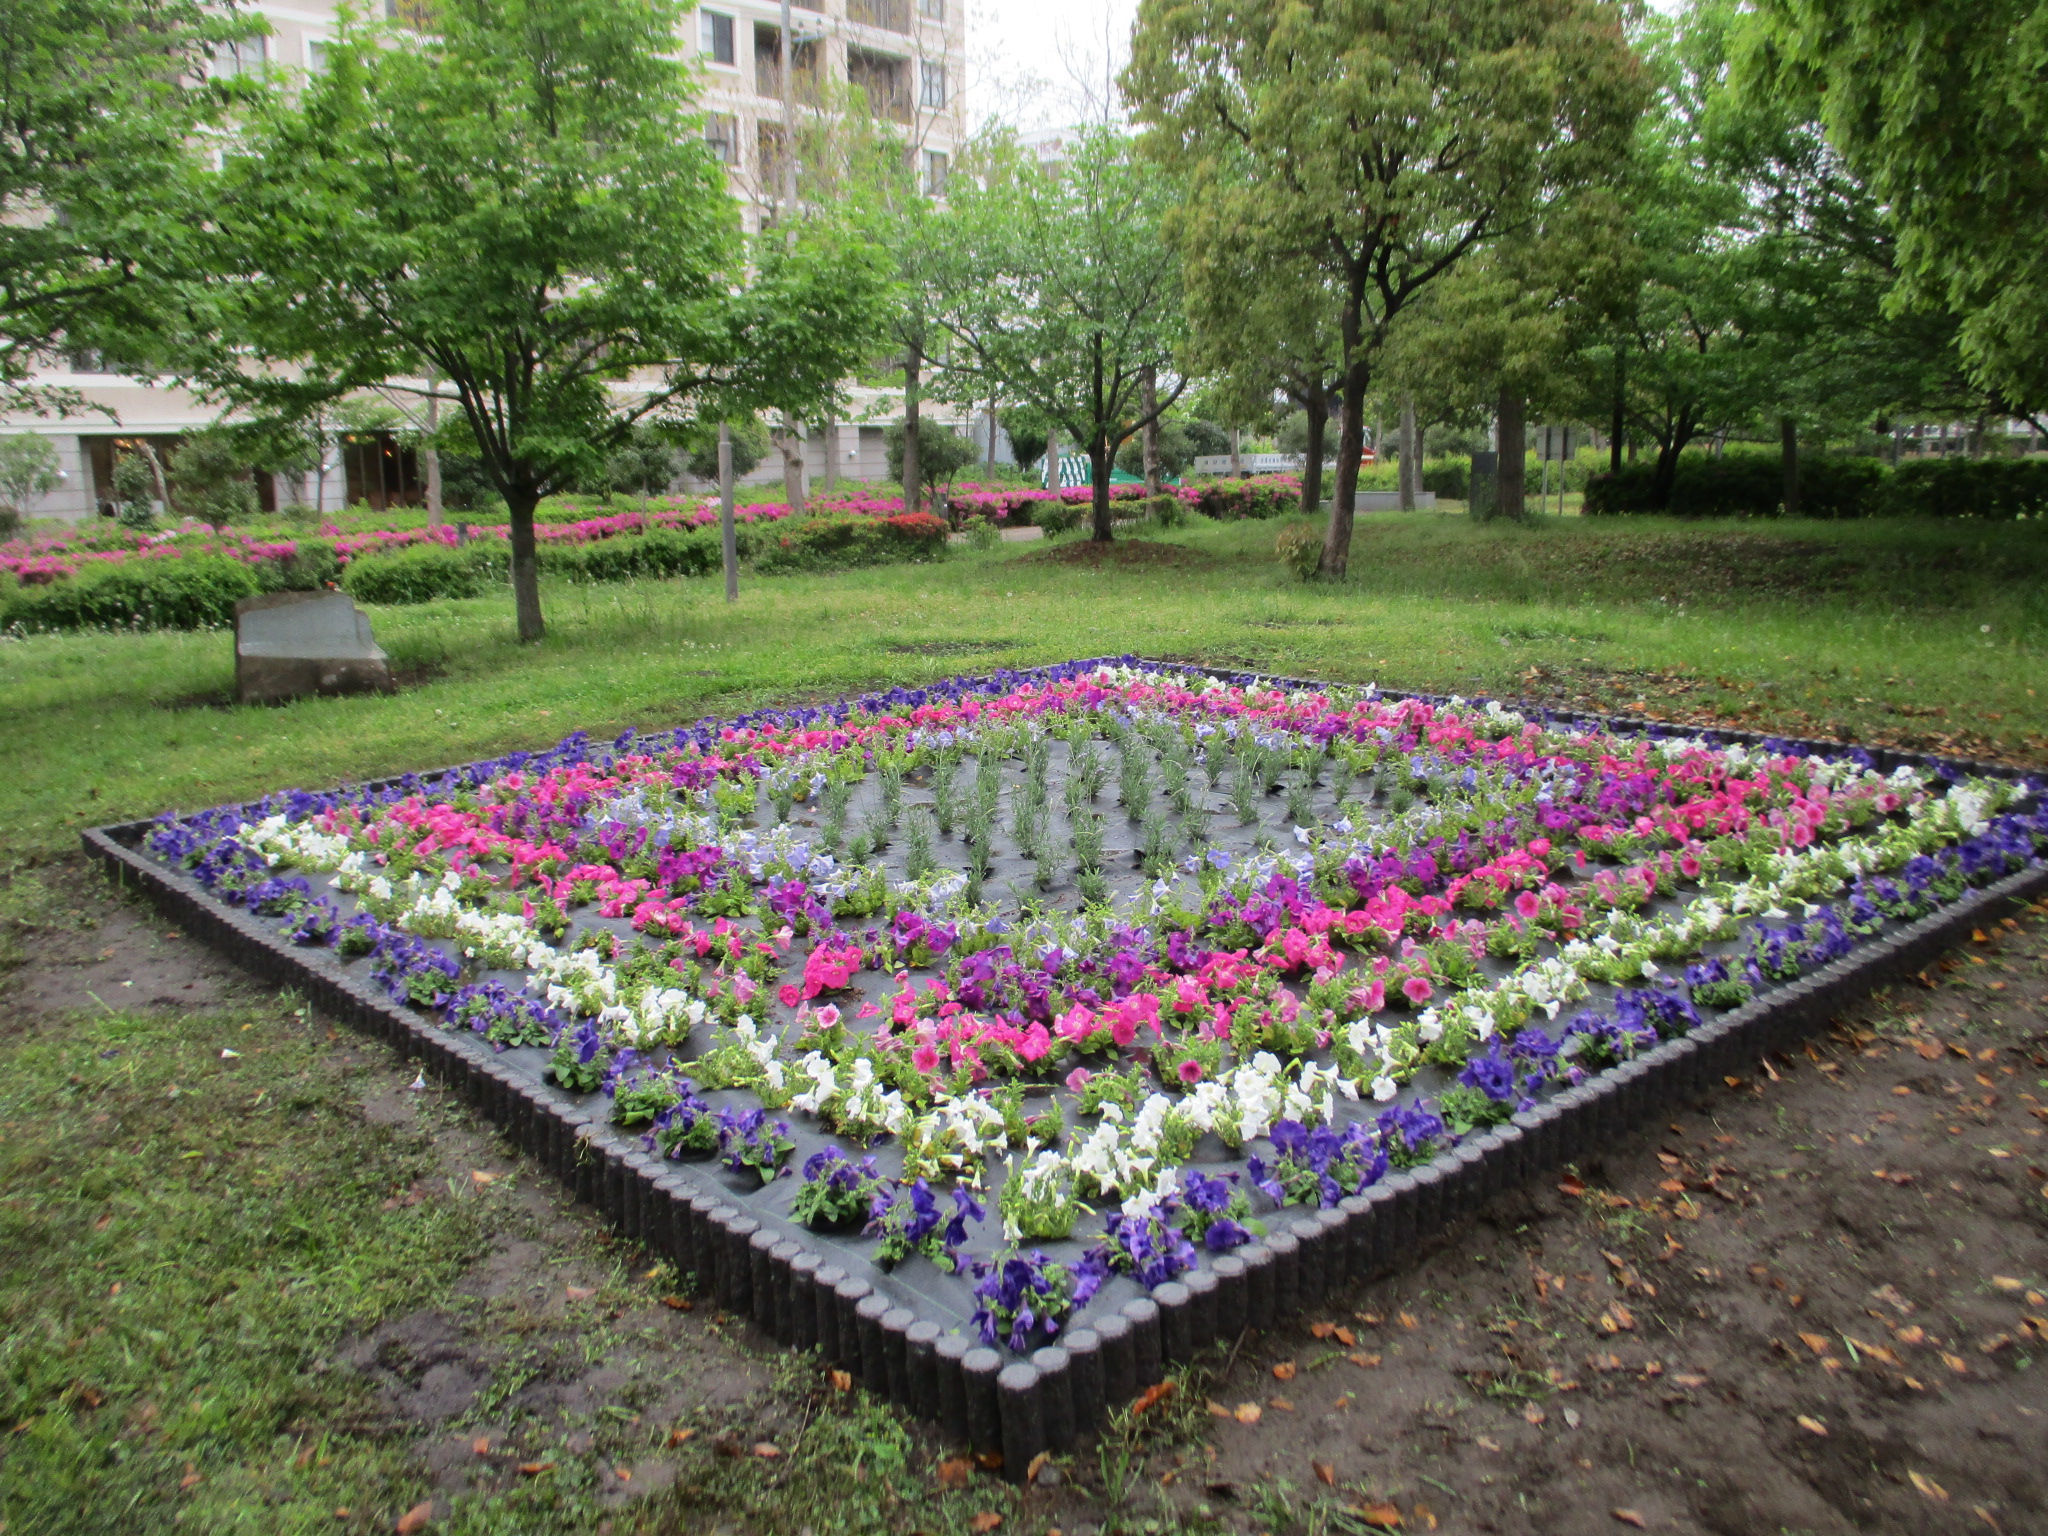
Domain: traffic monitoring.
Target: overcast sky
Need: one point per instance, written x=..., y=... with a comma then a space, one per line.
x=1041, y=63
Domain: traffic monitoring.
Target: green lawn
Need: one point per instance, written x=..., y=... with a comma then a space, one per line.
x=185, y=1235
x=1903, y=631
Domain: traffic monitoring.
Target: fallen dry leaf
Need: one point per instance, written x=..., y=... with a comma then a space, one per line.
x=989, y=1461
x=1630, y=1517
x=680, y=1436
x=1817, y=1342
x=1486, y=1444
x=481, y=1445
x=1346, y=1337
x=582, y=1292
x=1218, y=1410
x=1569, y=1185
x=1381, y=1517
x=1617, y=1319
x=1284, y=1404
x=1152, y=1396
x=1407, y=1320
x=1534, y=1415
x=1038, y=1465
x=416, y=1518
x=987, y=1520
x=767, y=1450
x=677, y=1303
x=1325, y=1473
x=1929, y=1487
x=1366, y=1361
x=1248, y=1413
x=956, y=1472
x=2007, y=1284
x=1322, y=1330
x=534, y=1468
x=189, y=1480
x=1811, y=1425
x=481, y=1178
x=842, y=1381
x=1284, y=1371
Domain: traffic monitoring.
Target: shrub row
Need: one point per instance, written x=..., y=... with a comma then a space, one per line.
x=1752, y=485
x=194, y=592
x=1233, y=500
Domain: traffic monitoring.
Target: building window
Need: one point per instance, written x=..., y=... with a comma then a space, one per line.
x=935, y=165
x=316, y=55
x=251, y=53
x=722, y=133
x=718, y=38
x=414, y=15
x=932, y=10
x=933, y=86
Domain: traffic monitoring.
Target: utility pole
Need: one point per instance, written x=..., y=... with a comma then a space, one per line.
x=728, y=540
x=430, y=455
x=792, y=443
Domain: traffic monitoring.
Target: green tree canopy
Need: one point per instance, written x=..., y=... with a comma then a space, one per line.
x=1379, y=142
x=1061, y=292
x=102, y=103
x=1942, y=107
x=522, y=204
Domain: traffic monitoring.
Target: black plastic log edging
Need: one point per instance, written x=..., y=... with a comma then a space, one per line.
x=1020, y=1408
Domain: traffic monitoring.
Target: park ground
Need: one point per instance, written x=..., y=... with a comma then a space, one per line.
x=255, y=1276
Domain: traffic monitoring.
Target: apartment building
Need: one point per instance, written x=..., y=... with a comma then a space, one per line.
x=907, y=57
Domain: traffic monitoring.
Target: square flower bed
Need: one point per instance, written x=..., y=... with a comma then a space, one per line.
x=1004, y=1036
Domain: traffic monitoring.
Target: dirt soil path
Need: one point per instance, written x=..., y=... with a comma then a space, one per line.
x=1815, y=1303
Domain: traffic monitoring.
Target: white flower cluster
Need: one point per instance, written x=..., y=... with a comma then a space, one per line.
x=862, y=1098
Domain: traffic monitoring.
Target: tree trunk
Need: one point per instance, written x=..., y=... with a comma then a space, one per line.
x=1236, y=458
x=1411, y=471
x=430, y=456
x=913, y=471
x=1149, y=403
x=1512, y=467
x=988, y=468
x=1620, y=418
x=519, y=504
x=1098, y=486
x=792, y=445
x=1665, y=475
x=1344, y=494
x=1052, y=459
x=1312, y=472
x=1788, y=458
x=831, y=452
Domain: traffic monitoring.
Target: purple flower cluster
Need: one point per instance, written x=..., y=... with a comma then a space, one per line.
x=1321, y=1165
x=747, y=1139
x=835, y=1189
x=907, y=1220
x=1150, y=1247
x=1027, y=1297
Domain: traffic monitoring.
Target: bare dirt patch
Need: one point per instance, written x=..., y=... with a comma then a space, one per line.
x=1125, y=554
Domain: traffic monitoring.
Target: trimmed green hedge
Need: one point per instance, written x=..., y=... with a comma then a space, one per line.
x=186, y=592
x=1752, y=485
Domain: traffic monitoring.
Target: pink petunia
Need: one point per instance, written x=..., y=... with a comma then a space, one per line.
x=790, y=994
x=1190, y=1070
x=1529, y=904
x=828, y=1016
x=1078, y=1079
x=925, y=1058
x=1417, y=990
